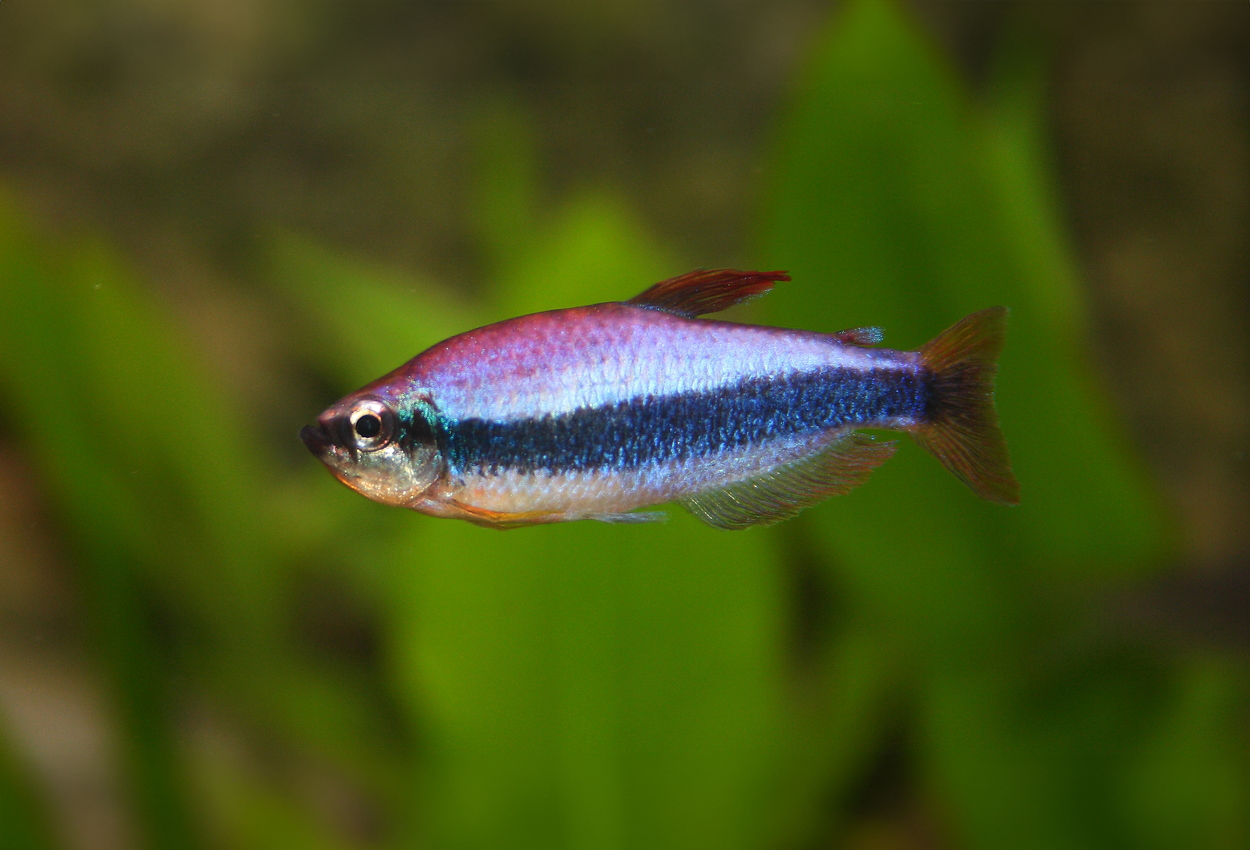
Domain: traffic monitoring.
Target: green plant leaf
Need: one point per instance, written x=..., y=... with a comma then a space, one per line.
x=894, y=203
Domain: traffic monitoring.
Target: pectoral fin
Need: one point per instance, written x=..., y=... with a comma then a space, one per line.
x=499, y=519
x=629, y=519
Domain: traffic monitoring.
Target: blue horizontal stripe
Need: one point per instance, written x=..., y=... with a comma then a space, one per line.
x=656, y=429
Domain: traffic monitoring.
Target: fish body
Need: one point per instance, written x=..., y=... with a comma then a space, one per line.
x=593, y=412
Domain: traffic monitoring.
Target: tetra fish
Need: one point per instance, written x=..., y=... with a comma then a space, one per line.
x=593, y=412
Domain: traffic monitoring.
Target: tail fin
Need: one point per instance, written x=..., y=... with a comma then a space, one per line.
x=962, y=428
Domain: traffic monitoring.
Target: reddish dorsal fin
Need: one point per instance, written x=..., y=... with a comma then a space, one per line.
x=864, y=337
x=838, y=468
x=706, y=291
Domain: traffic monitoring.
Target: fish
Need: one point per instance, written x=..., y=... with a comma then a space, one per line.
x=592, y=413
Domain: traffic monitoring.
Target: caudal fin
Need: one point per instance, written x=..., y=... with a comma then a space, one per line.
x=961, y=428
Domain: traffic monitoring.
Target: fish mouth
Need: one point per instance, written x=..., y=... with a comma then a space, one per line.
x=316, y=438
x=320, y=442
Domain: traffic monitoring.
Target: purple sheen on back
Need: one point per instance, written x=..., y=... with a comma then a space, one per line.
x=562, y=360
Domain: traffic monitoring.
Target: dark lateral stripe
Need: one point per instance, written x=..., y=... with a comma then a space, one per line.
x=651, y=429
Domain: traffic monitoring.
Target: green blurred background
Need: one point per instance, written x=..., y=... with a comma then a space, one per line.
x=218, y=216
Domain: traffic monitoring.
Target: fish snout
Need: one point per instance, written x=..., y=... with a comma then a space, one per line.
x=316, y=438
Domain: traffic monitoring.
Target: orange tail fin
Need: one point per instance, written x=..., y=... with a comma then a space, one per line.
x=962, y=428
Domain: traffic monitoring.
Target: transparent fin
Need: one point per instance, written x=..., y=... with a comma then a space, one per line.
x=630, y=519
x=962, y=427
x=498, y=519
x=706, y=291
x=782, y=493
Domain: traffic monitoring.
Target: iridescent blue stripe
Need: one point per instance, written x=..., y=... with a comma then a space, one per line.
x=631, y=434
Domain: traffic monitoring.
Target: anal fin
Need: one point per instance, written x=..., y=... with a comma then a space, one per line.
x=706, y=291
x=783, y=492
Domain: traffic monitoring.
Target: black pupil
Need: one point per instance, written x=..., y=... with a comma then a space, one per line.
x=368, y=426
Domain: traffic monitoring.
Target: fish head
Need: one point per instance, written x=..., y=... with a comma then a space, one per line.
x=381, y=449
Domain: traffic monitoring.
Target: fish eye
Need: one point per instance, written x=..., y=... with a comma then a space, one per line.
x=368, y=426
x=373, y=425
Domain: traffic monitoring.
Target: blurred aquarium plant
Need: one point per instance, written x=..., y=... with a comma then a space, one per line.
x=1032, y=728
x=634, y=686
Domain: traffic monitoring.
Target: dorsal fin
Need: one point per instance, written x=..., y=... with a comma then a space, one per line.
x=863, y=337
x=706, y=291
x=838, y=468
